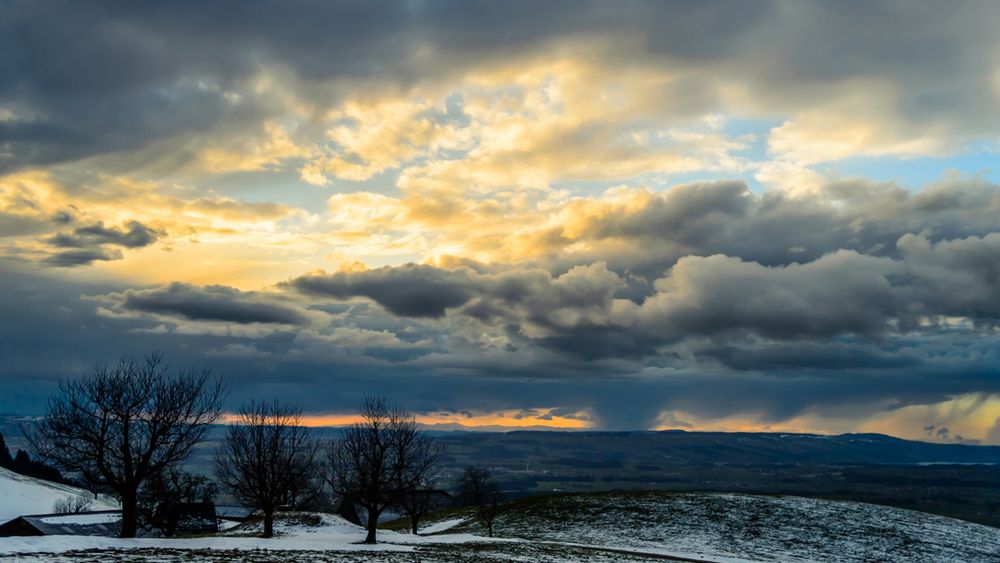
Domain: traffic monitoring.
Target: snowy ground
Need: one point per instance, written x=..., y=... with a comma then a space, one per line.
x=613, y=527
x=296, y=533
x=84, y=518
x=722, y=527
x=21, y=495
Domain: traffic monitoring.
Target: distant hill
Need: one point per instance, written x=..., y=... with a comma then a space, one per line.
x=736, y=527
x=650, y=450
x=610, y=449
x=956, y=480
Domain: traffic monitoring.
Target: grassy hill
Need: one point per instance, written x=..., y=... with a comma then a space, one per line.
x=717, y=526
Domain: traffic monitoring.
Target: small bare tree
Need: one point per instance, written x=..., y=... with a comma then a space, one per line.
x=267, y=458
x=73, y=504
x=161, y=496
x=418, y=503
x=477, y=488
x=380, y=459
x=126, y=423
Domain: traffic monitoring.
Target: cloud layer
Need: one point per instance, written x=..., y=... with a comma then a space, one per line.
x=636, y=214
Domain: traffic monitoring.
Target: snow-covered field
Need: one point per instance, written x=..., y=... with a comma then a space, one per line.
x=610, y=527
x=722, y=527
x=20, y=495
x=300, y=536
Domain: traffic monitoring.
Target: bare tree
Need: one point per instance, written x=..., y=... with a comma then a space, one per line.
x=73, y=504
x=418, y=503
x=126, y=423
x=380, y=459
x=268, y=458
x=477, y=488
x=161, y=497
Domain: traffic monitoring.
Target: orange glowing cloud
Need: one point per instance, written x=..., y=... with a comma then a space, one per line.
x=968, y=417
x=505, y=419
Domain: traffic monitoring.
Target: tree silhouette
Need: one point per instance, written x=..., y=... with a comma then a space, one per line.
x=477, y=488
x=6, y=461
x=267, y=459
x=126, y=423
x=380, y=459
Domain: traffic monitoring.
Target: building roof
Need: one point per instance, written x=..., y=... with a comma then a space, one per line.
x=96, y=523
x=233, y=512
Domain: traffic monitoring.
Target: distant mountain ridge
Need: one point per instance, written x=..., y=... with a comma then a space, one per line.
x=671, y=447
x=649, y=449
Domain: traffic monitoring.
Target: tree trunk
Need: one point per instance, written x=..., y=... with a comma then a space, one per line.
x=269, y=523
x=413, y=524
x=130, y=514
x=489, y=528
x=372, y=527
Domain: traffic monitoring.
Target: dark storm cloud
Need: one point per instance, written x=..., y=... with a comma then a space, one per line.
x=774, y=356
x=211, y=303
x=958, y=277
x=93, y=243
x=592, y=342
x=81, y=257
x=621, y=394
x=720, y=262
x=575, y=313
x=411, y=290
x=776, y=229
x=136, y=235
x=842, y=293
x=87, y=78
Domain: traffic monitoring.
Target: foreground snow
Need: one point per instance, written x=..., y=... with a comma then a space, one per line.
x=21, y=495
x=84, y=519
x=442, y=526
x=298, y=532
x=603, y=528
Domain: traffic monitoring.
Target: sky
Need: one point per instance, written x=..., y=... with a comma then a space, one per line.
x=746, y=215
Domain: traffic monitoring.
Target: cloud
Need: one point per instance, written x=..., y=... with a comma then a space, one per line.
x=434, y=368
x=83, y=257
x=140, y=77
x=168, y=232
x=552, y=198
x=410, y=290
x=236, y=211
x=800, y=303
x=643, y=231
x=596, y=311
x=91, y=243
x=841, y=293
x=350, y=340
x=136, y=235
x=210, y=303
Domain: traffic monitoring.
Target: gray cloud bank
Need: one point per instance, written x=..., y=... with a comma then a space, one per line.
x=714, y=260
x=96, y=242
x=86, y=78
x=709, y=298
x=727, y=304
x=212, y=303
